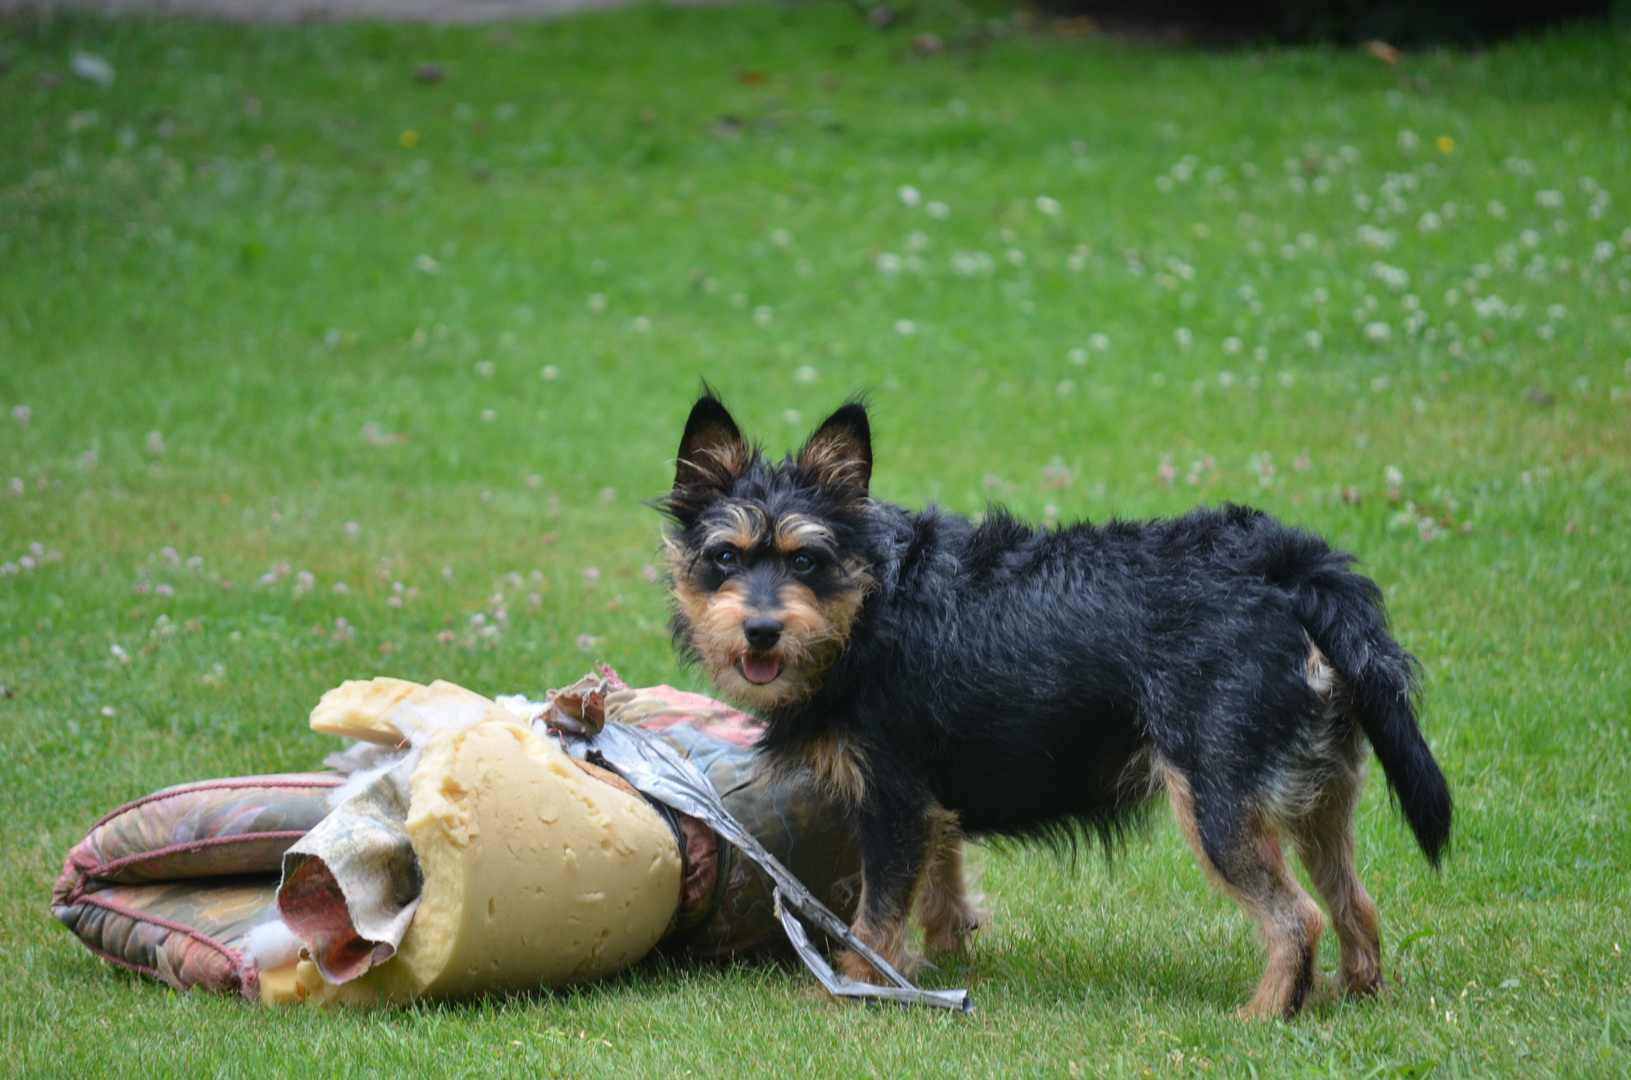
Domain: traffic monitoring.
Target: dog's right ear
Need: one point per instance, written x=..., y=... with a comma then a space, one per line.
x=712, y=453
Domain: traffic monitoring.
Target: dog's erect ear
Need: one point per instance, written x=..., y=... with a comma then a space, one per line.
x=711, y=450
x=840, y=451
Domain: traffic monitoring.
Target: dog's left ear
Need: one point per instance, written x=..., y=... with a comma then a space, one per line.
x=840, y=451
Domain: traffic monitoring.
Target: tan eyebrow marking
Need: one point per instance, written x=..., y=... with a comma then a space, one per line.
x=741, y=525
x=796, y=531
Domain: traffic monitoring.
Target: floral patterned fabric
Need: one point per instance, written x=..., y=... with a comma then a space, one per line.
x=208, y=829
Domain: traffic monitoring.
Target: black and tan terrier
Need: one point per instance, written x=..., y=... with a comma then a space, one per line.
x=956, y=680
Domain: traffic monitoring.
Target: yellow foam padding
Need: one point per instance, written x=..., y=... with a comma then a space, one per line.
x=536, y=874
x=363, y=709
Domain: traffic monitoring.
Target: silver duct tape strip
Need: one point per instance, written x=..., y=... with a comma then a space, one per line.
x=841, y=986
x=664, y=774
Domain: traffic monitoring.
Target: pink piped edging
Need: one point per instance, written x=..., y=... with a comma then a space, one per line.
x=248, y=976
x=273, y=780
x=108, y=869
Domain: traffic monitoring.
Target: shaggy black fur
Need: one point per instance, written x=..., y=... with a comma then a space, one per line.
x=1032, y=680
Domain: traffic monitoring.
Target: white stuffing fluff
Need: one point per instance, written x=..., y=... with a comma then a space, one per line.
x=363, y=763
x=272, y=945
x=521, y=707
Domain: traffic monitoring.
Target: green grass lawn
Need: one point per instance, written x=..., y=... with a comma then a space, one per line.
x=311, y=370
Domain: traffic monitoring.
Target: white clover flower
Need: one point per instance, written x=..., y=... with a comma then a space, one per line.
x=1065, y=388
x=1430, y=222
x=1098, y=342
x=1232, y=345
x=1496, y=209
x=781, y=237
x=597, y=302
x=549, y=372
x=1378, y=332
x=792, y=417
x=1374, y=238
x=805, y=375
x=905, y=327
x=155, y=443
x=1048, y=206
x=1549, y=199
x=888, y=264
x=1314, y=339
x=21, y=413
x=763, y=315
x=1077, y=356
x=1393, y=277
x=1557, y=312
x=1409, y=141
x=1183, y=337
x=17, y=486
x=938, y=210
x=425, y=264
x=641, y=324
x=909, y=195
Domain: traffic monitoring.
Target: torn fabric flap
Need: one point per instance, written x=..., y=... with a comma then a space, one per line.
x=352, y=884
x=662, y=773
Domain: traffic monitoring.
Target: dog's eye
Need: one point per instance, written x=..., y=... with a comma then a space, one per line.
x=726, y=560
x=803, y=564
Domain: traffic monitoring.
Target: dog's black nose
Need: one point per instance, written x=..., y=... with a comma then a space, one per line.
x=762, y=632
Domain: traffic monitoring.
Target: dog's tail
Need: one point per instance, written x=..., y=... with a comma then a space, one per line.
x=1342, y=612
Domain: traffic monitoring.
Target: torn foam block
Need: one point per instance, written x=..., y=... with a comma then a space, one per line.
x=535, y=874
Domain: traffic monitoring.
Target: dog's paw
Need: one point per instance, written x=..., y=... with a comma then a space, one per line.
x=952, y=932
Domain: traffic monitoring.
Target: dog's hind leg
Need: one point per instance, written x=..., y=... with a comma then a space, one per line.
x=1324, y=842
x=948, y=914
x=1237, y=845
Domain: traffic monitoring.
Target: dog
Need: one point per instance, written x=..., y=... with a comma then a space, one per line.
x=951, y=679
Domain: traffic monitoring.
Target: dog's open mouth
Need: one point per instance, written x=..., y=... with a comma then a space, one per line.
x=760, y=669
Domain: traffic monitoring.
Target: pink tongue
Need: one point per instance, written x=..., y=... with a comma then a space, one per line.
x=760, y=669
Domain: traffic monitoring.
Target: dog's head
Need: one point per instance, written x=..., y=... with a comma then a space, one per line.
x=769, y=562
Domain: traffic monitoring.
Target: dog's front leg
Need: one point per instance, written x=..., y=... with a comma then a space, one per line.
x=894, y=836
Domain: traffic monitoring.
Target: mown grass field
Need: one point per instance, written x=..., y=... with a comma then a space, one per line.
x=312, y=369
